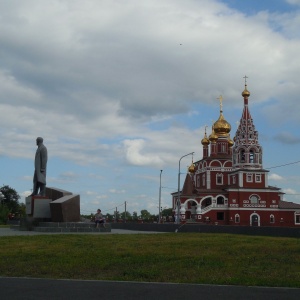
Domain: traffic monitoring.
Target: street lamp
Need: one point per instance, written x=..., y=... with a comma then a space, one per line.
x=159, y=198
x=178, y=200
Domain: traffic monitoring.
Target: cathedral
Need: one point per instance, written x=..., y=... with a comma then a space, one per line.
x=229, y=185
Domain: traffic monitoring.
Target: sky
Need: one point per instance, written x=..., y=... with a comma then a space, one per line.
x=120, y=90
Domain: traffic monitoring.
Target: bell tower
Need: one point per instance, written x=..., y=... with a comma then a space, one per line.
x=247, y=152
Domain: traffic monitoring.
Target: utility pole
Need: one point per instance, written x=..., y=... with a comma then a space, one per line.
x=125, y=213
x=159, y=200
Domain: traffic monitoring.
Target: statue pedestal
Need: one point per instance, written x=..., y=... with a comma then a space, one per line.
x=38, y=207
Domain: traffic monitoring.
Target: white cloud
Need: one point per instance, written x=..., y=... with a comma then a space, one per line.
x=133, y=152
x=290, y=191
x=295, y=2
x=112, y=86
x=276, y=177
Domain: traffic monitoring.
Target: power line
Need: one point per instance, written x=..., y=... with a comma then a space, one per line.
x=292, y=163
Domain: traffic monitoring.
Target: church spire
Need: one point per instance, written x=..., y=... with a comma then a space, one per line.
x=247, y=152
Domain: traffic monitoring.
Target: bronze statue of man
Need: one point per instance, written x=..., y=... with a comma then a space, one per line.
x=40, y=166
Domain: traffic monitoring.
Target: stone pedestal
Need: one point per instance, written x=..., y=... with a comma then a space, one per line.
x=38, y=207
x=66, y=209
x=57, y=206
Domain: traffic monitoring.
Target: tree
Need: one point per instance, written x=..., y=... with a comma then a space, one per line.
x=4, y=211
x=11, y=198
x=128, y=216
x=145, y=215
x=134, y=216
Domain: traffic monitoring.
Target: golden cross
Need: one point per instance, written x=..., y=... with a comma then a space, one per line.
x=221, y=105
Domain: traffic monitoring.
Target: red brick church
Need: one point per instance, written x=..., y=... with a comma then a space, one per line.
x=229, y=185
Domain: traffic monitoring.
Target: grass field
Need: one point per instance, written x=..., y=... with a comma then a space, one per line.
x=171, y=257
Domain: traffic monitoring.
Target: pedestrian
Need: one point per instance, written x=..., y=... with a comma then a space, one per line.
x=99, y=218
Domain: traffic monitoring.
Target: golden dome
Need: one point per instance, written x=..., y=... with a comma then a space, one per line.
x=192, y=168
x=221, y=126
x=246, y=93
x=213, y=137
x=205, y=140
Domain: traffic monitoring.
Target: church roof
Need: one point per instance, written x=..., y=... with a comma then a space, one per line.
x=287, y=205
x=188, y=186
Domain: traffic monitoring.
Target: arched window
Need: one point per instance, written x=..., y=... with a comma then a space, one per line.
x=206, y=202
x=272, y=219
x=242, y=156
x=254, y=199
x=237, y=218
x=251, y=156
x=220, y=200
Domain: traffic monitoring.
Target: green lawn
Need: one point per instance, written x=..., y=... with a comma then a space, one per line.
x=171, y=257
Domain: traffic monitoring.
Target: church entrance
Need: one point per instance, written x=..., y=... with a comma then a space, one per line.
x=254, y=220
x=190, y=214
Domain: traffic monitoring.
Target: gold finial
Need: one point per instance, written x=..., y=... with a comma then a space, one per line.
x=245, y=93
x=191, y=168
x=221, y=104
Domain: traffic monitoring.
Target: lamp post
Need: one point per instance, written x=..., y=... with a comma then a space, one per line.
x=159, y=198
x=178, y=195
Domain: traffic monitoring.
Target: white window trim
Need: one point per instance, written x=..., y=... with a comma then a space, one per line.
x=297, y=214
x=249, y=175
x=258, y=176
x=219, y=176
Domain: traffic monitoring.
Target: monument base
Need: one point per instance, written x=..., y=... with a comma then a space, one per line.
x=57, y=206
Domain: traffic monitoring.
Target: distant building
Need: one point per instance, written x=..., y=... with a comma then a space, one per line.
x=229, y=186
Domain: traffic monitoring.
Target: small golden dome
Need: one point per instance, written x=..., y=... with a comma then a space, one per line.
x=246, y=93
x=192, y=168
x=213, y=137
x=205, y=140
x=221, y=126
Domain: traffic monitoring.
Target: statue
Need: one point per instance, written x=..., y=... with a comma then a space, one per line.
x=40, y=166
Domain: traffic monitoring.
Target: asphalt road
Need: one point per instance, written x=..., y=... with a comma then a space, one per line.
x=46, y=289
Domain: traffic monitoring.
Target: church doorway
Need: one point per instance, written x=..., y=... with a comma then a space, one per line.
x=254, y=220
x=191, y=208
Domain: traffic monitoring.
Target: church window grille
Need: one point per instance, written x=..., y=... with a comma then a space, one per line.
x=198, y=181
x=203, y=180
